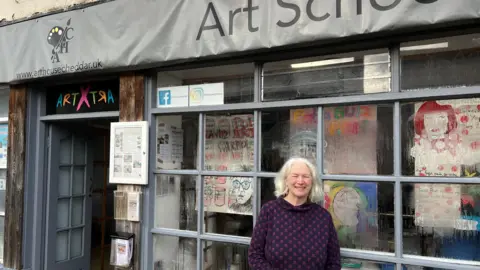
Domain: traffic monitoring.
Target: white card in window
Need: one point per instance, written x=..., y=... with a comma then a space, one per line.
x=2, y=184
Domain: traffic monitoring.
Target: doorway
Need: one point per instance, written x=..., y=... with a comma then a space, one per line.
x=80, y=200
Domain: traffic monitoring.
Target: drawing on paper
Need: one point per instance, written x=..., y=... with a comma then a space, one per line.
x=228, y=195
x=229, y=147
x=437, y=205
x=447, y=137
x=240, y=195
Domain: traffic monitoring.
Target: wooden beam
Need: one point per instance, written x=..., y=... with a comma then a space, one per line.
x=13, y=233
x=131, y=109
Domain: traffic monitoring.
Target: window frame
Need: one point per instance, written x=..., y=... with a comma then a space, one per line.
x=395, y=97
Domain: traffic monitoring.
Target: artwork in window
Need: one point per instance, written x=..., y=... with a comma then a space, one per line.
x=437, y=205
x=169, y=142
x=303, y=134
x=354, y=209
x=232, y=195
x=229, y=147
x=350, y=136
x=447, y=138
x=229, y=143
x=3, y=145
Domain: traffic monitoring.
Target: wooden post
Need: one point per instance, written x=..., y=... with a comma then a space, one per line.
x=131, y=109
x=13, y=233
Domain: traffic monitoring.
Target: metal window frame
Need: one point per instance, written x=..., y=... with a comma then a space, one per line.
x=394, y=97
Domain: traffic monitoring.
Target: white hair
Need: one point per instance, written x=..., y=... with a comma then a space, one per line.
x=281, y=188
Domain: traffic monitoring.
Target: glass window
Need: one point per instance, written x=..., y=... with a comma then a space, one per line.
x=3, y=177
x=334, y=75
x=441, y=138
x=171, y=252
x=414, y=267
x=349, y=263
x=444, y=62
x=286, y=133
x=228, y=204
x=358, y=139
x=206, y=86
x=175, y=202
x=225, y=256
x=229, y=142
x=267, y=190
x=177, y=141
x=4, y=97
x=442, y=220
x=362, y=213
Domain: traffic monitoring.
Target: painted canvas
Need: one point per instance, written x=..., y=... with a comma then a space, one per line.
x=350, y=136
x=354, y=209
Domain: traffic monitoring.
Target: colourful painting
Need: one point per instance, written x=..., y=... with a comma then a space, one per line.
x=354, y=209
x=350, y=136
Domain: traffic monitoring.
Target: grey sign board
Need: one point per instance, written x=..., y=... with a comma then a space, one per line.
x=125, y=33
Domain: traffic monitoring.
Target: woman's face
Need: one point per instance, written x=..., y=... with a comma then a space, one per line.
x=299, y=180
x=436, y=123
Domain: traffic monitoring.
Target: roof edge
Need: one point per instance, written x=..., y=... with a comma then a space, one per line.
x=37, y=15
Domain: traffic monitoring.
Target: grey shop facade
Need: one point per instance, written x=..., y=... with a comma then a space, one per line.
x=382, y=95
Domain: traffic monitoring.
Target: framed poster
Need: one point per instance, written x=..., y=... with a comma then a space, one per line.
x=128, y=153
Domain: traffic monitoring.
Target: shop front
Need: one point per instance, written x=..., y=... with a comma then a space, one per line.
x=391, y=130
x=386, y=105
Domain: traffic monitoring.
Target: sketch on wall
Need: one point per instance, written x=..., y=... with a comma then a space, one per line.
x=354, y=209
x=229, y=147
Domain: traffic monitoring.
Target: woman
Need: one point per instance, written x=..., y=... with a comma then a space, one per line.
x=293, y=232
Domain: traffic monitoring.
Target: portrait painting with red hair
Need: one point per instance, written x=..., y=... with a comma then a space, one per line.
x=437, y=149
x=434, y=120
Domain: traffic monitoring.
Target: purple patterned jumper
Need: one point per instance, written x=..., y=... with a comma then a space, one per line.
x=294, y=237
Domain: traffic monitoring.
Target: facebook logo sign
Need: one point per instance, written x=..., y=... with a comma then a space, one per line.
x=164, y=97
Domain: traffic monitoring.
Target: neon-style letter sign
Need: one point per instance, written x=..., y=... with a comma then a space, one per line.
x=85, y=98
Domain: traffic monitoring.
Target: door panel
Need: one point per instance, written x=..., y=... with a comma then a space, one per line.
x=69, y=206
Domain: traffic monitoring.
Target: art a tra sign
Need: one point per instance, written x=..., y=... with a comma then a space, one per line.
x=83, y=98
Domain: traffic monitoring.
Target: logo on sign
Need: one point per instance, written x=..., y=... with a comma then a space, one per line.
x=165, y=97
x=59, y=38
x=196, y=94
x=85, y=97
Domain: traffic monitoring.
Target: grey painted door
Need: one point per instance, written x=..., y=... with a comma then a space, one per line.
x=69, y=205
